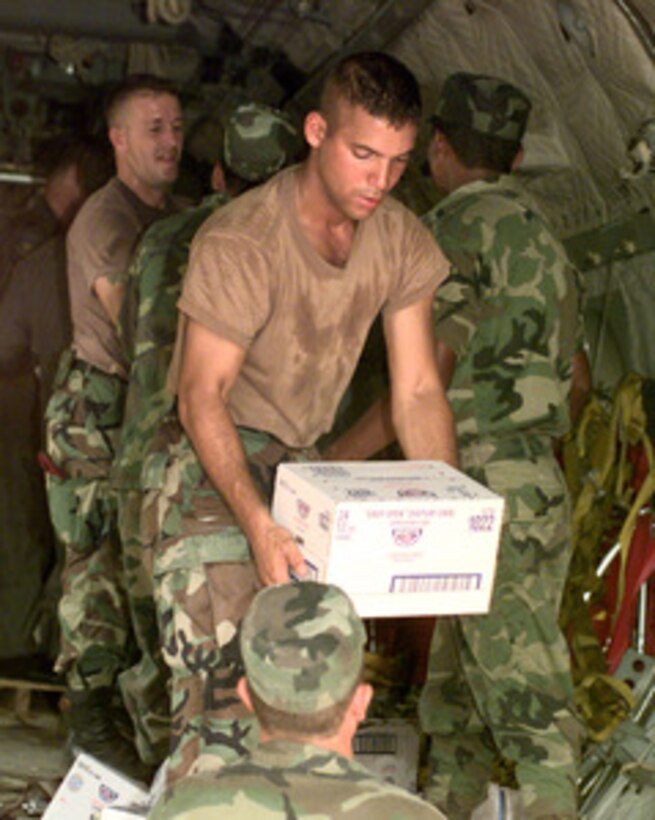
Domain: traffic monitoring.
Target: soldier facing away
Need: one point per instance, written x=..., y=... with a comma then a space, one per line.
x=509, y=347
x=303, y=652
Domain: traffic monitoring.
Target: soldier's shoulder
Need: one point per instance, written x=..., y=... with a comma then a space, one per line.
x=103, y=211
x=183, y=224
x=206, y=796
x=490, y=200
x=253, y=216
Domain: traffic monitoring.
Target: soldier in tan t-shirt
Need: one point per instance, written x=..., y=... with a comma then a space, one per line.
x=282, y=287
x=85, y=413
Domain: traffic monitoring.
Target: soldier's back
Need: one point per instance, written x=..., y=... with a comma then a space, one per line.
x=292, y=780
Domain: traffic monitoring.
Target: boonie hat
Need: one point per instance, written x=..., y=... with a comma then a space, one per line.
x=302, y=646
x=487, y=105
x=259, y=140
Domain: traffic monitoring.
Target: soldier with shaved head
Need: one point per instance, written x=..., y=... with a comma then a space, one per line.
x=84, y=415
x=282, y=287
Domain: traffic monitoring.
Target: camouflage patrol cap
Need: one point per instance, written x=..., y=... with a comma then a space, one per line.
x=302, y=646
x=487, y=105
x=259, y=140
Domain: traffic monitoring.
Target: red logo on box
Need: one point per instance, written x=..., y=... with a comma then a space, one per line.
x=406, y=536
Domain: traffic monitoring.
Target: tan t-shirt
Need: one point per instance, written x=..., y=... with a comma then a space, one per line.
x=101, y=242
x=255, y=279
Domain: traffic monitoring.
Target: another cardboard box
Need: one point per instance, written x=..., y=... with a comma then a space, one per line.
x=390, y=750
x=401, y=537
x=90, y=788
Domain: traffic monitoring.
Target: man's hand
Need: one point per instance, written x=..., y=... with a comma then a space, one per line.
x=209, y=369
x=421, y=414
x=276, y=554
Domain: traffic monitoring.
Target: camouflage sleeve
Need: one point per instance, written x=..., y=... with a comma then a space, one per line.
x=129, y=309
x=578, y=288
x=501, y=255
x=457, y=304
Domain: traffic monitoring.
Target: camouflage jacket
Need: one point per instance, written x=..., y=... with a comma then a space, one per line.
x=292, y=780
x=509, y=311
x=148, y=326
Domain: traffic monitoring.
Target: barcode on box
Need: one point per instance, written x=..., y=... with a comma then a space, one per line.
x=375, y=744
x=443, y=582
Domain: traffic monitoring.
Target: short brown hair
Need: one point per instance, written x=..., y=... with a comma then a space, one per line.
x=322, y=723
x=132, y=86
x=475, y=150
x=379, y=83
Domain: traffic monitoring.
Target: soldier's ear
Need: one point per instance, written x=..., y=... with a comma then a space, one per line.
x=315, y=128
x=518, y=158
x=218, y=183
x=117, y=137
x=361, y=700
x=244, y=693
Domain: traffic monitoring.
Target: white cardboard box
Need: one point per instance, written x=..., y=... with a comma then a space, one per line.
x=400, y=537
x=90, y=788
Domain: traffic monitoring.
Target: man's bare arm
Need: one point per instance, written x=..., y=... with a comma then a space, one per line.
x=371, y=433
x=210, y=366
x=580, y=384
x=111, y=296
x=421, y=414
x=374, y=430
x=446, y=362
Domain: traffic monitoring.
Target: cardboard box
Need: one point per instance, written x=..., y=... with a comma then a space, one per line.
x=390, y=750
x=90, y=788
x=401, y=537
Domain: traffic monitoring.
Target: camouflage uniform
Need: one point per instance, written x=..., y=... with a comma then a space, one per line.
x=302, y=647
x=148, y=325
x=84, y=418
x=501, y=682
x=202, y=557
x=257, y=141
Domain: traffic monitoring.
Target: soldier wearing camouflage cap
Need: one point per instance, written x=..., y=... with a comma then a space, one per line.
x=484, y=105
x=148, y=322
x=303, y=652
x=509, y=344
x=302, y=647
x=259, y=140
x=509, y=347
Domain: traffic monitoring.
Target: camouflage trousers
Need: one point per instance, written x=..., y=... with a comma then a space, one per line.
x=204, y=582
x=83, y=420
x=500, y=684
x=144, y=684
